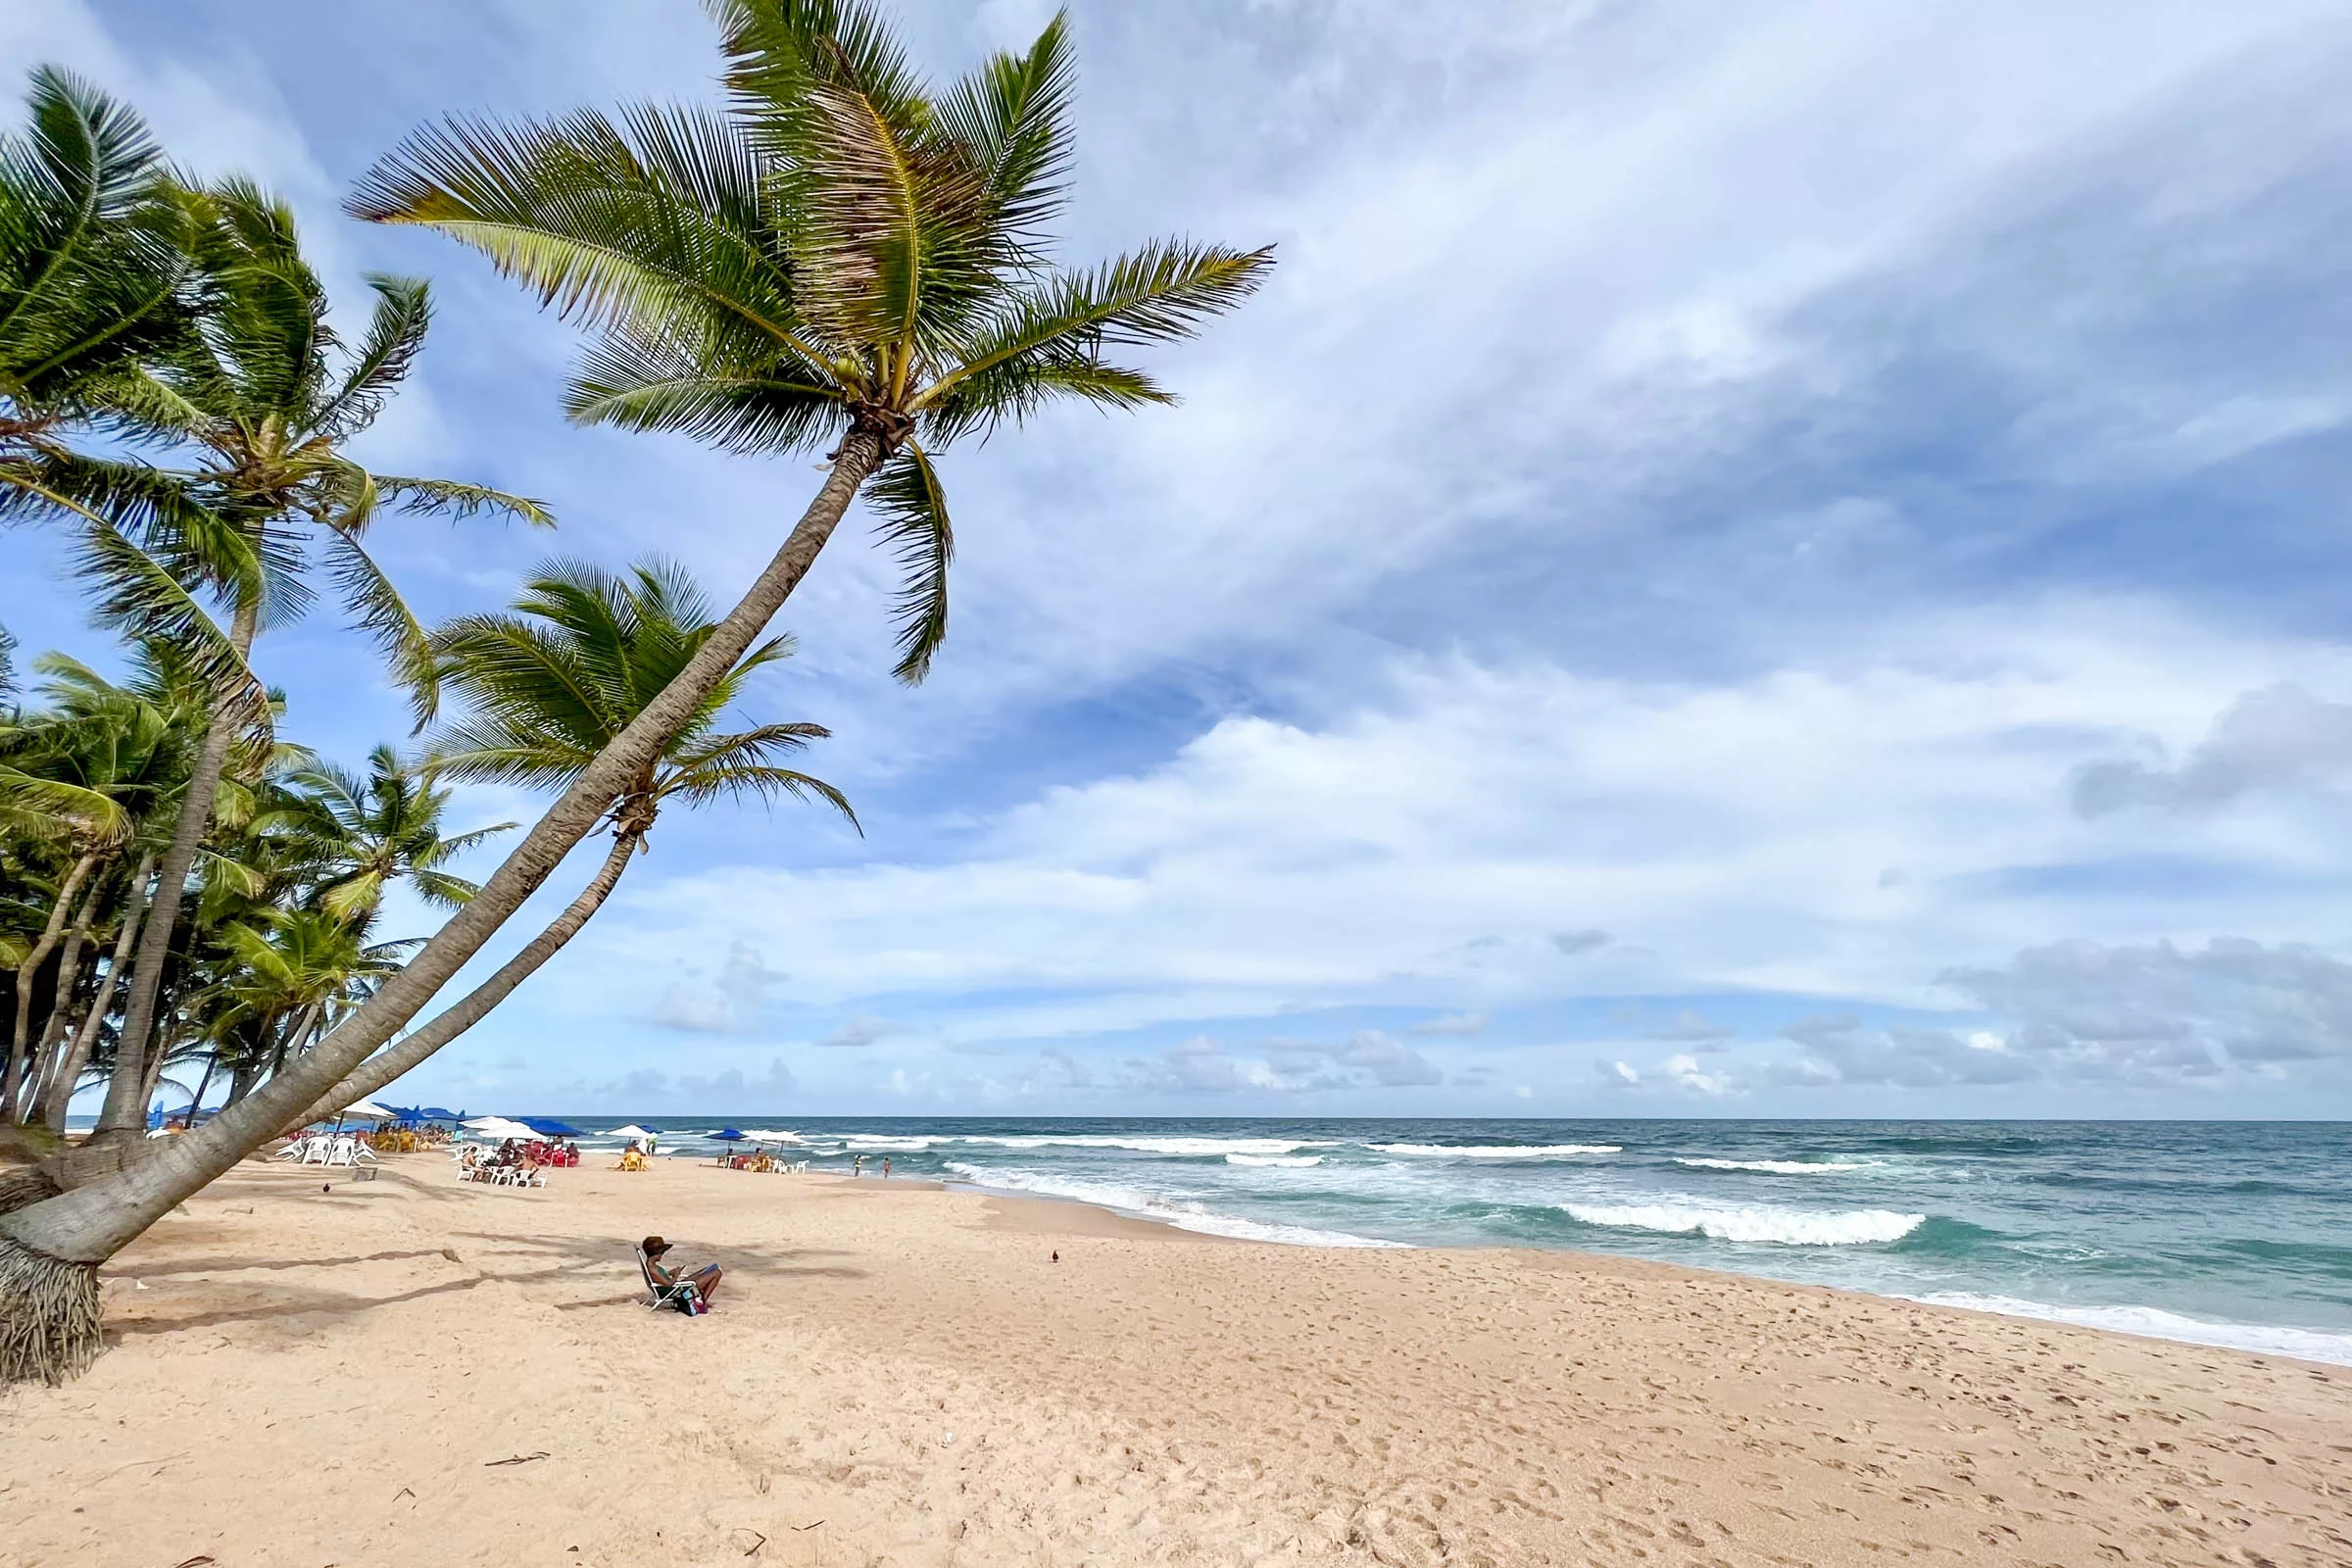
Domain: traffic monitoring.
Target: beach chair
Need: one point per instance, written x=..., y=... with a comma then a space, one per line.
x=680, y=1296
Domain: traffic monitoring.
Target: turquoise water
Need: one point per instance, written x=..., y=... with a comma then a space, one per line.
x=2230, y=1233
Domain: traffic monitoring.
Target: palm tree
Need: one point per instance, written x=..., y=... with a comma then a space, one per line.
x=96, y=267
x=290, y=973
x=549, y=687
x=75, y=781
x=370, y=832
x=843, y=260
x=257, y=392
x=99, y=276
x=138, y=740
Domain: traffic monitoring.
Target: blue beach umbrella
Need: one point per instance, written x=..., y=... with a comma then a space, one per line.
x=728, y=1135
x=552, y=1127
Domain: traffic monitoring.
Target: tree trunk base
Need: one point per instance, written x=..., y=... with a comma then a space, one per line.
x=48, y=1316
x=80, y=1164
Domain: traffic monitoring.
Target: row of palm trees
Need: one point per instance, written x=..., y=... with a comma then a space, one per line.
x=843, y=259
x=280, y=942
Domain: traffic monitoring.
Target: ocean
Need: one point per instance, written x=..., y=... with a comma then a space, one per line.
x=2218, y=1233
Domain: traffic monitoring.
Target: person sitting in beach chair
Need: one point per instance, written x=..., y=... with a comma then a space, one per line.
x=632, y=1158
x=688, y=1292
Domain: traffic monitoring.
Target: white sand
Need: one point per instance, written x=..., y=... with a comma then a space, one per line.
x=900, y=1376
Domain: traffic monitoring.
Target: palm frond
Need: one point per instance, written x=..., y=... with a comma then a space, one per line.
x=1012, y=391
x=891, y=252
x=353, y=896
x=462, y=842
x=914, y=524
x=1162, y=293
x=95, y=242
x=745, y=745
x=442, y=889
x=754, y=781
x=404, y=310
x=568, y=207
x=771, y=403
x=1015, y=113
x=49, y=808
x=378, y=609
x=452, y=499
x=779, y=51
x=144, y=602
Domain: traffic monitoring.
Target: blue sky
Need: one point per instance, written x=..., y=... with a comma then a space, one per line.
x=1774, y=562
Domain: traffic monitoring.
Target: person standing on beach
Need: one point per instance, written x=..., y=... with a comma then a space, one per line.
x=886, y=1167
x=856, y=1164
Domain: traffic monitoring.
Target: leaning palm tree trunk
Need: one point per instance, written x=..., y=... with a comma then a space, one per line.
x=386, y=1066
x=50, y=1043
x=50, y=1251
x=60, y=1090
x=20, y=1047
x=123, y=1116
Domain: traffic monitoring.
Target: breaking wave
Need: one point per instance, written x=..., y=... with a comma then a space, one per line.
x=1201, y=1148
x=1792, y=1227
x=1179, y=1212
x=1493, y=1150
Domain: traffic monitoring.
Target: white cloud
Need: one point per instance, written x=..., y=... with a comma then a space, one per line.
x=2278, y=738
x=733, y=999
x=1428, y=850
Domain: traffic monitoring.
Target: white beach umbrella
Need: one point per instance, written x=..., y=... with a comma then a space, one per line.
x=632, y=1130
x=368, y=1111
x=500, y=1127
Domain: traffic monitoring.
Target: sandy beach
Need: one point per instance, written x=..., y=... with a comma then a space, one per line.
x=411, y=1370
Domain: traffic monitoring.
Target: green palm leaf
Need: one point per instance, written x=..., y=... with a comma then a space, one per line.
x=914, y=521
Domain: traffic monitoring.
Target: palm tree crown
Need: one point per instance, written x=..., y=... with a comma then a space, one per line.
x=367, y=833
x=548, y=687
x=96, y=244
x=258, y=394
x=844, y=251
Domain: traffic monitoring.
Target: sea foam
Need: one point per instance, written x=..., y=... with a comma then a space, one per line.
x=1179, y=1212
x=2152, y=1322
x=1493, y=1150
x=1775, y=1167
x=1794, y=1227
x=1202, y=1147
x=1285, y=1161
